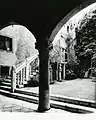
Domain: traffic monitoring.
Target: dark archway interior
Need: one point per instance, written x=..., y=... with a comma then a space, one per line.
x=40, y=17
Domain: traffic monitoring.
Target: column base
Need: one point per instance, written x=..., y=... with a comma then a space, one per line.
x=42, y=109
x=20, y=86
x=94, y=80
x=12, y=90
x=59, y=80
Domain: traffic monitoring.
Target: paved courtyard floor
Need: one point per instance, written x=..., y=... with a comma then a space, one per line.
x=14, y=105
x=78, y=88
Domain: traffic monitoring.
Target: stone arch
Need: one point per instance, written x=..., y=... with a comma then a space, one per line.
x=44, y=84
x=69, y=16
x=23, y=41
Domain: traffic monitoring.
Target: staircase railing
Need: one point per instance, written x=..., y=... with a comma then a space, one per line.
x=24, y=70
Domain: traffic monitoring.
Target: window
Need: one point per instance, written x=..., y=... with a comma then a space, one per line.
x=5, y=43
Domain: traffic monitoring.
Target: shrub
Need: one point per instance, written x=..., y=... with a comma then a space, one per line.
x=34, y=81
x=70, y=75
x=71, y=70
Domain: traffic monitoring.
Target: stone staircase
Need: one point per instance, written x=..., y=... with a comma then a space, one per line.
x=60, y=102
x=5, y=81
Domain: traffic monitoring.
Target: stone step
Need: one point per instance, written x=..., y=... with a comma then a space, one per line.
x=65, y=99
x=26, y=92
x=19, y=96
x=54, y=104
x=7, y=80
x=4, y=83
x=71, y=107
x=73, y=100
x=6, y=88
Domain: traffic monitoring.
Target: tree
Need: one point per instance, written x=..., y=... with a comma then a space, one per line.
x=55, y=54
x=86, y=41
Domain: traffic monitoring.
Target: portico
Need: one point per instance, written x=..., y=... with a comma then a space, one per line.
x=41, y=21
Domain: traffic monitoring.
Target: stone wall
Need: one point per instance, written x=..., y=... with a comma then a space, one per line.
x=23, y=41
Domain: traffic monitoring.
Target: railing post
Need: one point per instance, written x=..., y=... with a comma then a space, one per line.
x=21, y=77
x=13, y=79
x=27, y=71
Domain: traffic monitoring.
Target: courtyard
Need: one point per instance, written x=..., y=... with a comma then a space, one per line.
x=8, y=104
x=77, y=88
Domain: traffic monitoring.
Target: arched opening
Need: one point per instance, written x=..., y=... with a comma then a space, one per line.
x=16, y=40
x=75, y=31
x=5, y=44
x=44, y=49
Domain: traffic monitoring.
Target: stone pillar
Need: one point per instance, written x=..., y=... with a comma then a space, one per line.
x=64, y=71
x=60, y=74
x=43, y=83
x=50, y=74
x=57, y=72
x=13, y=79
x=44, y=100
x=64, y=65
x=0, y=70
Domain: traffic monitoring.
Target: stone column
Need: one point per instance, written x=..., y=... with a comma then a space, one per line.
x=50, y=74
x=57, y=72
x=64, y=71
x=60, y=74
x=13, y=79
x=64, y=65
x=0, y=70
x=44, y=100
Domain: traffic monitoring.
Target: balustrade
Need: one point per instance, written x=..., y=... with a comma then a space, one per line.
x=24, y=71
